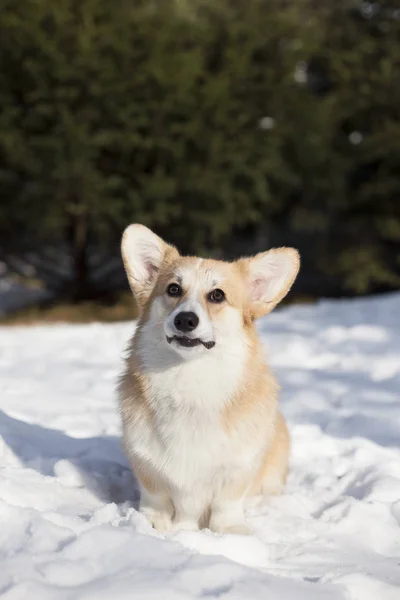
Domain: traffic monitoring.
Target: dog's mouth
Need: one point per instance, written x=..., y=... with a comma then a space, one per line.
x=186, y=342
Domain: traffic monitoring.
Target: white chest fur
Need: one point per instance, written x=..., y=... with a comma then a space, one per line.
x=186, y=441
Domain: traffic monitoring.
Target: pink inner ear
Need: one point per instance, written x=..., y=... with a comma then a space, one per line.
x=151, y=269
x=257, y=289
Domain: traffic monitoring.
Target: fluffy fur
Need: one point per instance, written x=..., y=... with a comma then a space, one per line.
x=201, y=425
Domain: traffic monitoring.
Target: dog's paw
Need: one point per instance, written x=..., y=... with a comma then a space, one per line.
x=239, y=529
x=161, y=521
x=182, y=525
x=232, y=528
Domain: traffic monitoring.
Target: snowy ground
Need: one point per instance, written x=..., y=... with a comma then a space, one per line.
x=68, y=525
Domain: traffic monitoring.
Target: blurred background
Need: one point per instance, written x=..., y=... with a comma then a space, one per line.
x=227, y=126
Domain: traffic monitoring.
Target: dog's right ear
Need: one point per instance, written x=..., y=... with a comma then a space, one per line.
x=143, y=253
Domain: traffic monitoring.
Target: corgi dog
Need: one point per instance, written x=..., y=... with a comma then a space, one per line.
x=199, y=404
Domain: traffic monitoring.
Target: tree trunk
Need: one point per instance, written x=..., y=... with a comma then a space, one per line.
x=81, y=275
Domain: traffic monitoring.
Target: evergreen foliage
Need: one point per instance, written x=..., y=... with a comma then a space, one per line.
x=199, y=118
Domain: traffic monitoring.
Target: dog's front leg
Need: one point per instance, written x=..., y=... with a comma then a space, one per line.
x=189, y=509
x=155, y=500
x=158, y=509
x=227, y=511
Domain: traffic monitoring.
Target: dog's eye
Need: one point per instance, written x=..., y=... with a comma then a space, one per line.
x=216, y=296
x=174, y=290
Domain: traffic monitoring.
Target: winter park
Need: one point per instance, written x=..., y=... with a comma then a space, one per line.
x=199, y=300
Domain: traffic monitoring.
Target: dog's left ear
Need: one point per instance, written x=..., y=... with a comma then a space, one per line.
x=143, y=253
x=269, y=275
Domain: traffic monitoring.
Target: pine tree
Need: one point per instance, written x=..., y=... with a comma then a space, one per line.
x=354, y=75
x=139, y=111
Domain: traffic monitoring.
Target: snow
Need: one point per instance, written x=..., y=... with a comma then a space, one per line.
x=69, y=528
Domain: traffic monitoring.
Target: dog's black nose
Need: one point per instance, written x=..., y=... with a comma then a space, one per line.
x=186, y=321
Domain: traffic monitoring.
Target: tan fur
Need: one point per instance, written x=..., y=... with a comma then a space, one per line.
x=274, y=469
x=246, y=420
x=258, y=393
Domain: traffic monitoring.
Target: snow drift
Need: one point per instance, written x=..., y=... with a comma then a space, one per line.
x=69, y=528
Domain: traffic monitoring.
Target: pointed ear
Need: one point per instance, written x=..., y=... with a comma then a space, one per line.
x=270, y=275
x=143, y=253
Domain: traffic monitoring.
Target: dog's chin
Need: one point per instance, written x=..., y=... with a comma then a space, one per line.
x=189, y=344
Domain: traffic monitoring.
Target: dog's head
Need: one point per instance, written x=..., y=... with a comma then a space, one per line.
x=192, y=304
